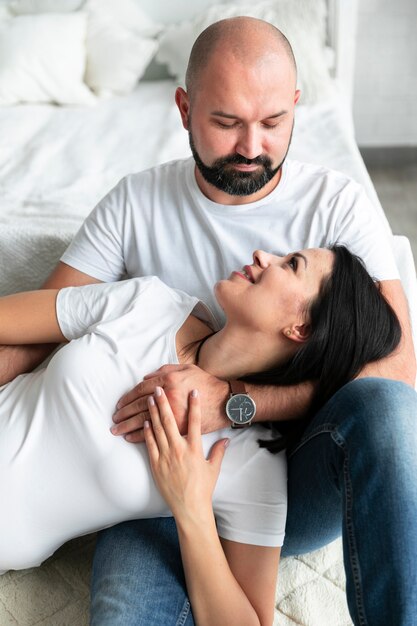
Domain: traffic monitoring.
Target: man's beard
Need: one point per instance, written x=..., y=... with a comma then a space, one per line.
x=232, y=181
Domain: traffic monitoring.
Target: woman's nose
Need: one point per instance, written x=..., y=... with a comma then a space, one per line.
x=265, y=259
x=260, y=258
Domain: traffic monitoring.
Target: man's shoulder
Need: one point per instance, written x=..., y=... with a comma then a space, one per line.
x=305, y=176
x=314, y=170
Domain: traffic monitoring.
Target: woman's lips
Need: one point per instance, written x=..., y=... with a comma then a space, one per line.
x=241, y=275
x=248, y=272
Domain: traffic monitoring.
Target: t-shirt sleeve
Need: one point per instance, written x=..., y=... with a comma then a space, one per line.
x=97, y=248
x=361, y=229
x=252, y=504
x=79, y=309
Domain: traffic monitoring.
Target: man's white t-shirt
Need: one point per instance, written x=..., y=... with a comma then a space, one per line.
x=63, y=473
x=158, y=222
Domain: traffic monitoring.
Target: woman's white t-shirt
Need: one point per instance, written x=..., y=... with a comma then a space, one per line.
x=63, y=474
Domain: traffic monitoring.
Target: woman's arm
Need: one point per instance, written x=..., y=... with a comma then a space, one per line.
x=228, y=582
x=30, y=317
x=17, y=359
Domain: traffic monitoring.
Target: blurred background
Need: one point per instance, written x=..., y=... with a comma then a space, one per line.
x=385, y=106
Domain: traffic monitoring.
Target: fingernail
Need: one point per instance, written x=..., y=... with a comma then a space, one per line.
x=158, y=391
x=151, y=401
x=113, y=430
x=226, y=443
x=194, y=393
x=146, y=424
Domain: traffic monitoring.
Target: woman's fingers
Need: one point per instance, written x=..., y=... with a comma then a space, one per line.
x=151, y=444
x=163, y=418
x=164, y=425
x=194, y=419
x=157, y=426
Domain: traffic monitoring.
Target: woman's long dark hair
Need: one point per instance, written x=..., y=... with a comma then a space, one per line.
x=351, y=325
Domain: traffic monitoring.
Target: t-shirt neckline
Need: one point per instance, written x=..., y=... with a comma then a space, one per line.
x=215, y=207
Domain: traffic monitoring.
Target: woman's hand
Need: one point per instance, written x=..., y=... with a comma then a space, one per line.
x=184, y=477
x=177, y=382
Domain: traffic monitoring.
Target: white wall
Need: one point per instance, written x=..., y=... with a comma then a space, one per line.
x=385, y=87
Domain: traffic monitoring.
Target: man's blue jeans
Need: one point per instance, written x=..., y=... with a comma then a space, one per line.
x=353, y=473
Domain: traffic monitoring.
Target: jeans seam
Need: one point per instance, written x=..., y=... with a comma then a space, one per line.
x=331, y=429
x=350, y=532
x=319, y=430
x=185, y=611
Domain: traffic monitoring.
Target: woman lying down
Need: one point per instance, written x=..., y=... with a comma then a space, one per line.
x=62, y=472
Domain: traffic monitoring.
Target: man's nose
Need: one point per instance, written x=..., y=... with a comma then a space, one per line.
x=249, y=143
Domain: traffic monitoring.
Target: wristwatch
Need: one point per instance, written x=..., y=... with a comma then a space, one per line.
x=240, y=407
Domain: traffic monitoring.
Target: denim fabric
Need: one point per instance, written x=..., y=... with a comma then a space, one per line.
x=138, y=578
x=353, y=473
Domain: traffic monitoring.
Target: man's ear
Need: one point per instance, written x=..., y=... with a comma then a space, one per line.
x=298, y=332
x=182, y=101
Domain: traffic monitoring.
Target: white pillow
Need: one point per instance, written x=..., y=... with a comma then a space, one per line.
x=21, y=7
x=303, y=22
x=42, y=59
x=119, y=45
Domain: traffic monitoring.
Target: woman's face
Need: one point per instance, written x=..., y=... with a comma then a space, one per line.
x=272, y=294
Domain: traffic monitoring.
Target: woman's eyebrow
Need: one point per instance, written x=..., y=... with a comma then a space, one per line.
x=301, y=256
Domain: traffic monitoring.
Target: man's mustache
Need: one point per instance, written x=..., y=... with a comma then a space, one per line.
x=238, y=159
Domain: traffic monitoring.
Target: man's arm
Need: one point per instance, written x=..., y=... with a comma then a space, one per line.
x=15, y=360
x=66, y=276
x=401, y=364
x=273, y=403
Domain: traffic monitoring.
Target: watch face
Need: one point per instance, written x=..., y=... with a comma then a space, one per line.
x=240, y=408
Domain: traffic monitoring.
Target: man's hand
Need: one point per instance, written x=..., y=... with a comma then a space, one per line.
x=177, y=381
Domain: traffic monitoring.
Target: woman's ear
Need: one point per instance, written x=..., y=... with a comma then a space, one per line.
x=298, y=332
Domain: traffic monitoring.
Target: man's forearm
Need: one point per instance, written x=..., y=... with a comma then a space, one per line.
x=401, y=364
x=280, y=403
x=15, y=360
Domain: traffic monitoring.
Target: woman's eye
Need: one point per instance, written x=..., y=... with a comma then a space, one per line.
x=293, y=263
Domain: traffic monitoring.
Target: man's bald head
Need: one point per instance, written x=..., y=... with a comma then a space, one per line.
x=249, y=40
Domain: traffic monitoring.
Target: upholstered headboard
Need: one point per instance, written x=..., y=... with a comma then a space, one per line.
x=340, y=31
x=341, y=37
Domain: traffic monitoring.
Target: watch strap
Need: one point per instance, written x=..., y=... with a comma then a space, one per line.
x=236, y=386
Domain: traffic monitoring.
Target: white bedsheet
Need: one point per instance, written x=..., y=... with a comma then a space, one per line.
x=56, y=162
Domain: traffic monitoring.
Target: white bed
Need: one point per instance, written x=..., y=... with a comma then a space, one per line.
x=56, y=162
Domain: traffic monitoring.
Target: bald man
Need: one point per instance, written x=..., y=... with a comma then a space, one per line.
x=191, y=222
